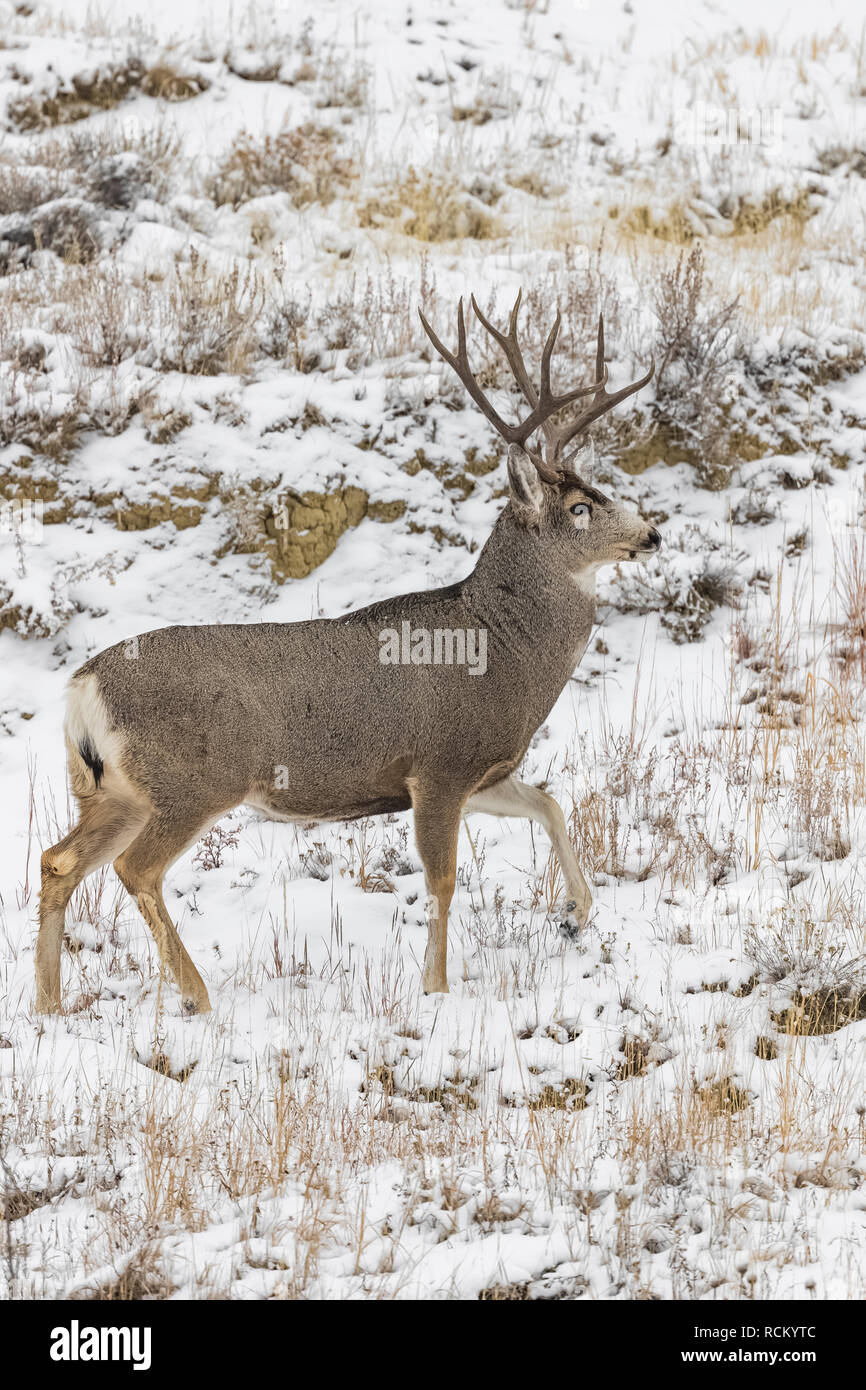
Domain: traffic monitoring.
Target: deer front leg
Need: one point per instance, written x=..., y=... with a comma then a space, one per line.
x=513, y=798
x=437, y=824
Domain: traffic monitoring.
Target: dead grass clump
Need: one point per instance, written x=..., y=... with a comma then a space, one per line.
x=101, y=89
x=749, y=215
x=301, y=161
x=164, y=82
x=849, y=649
x=369, y=321
x=162, y=424
x=252, y=65
x=53, y=436
x=815, y=952
x=142, y=1278
x=340, y=83
x=834, y=157
x=160, y=1063
x=66, y=227
x=285, y=326
x=77, y=98
x=635, y=1058
x=723, y=1097
x=117, y=162
x=569, y=1094
x=102, y=312
x=824, y=1011
x=14, y=1206
x=538, y=183
x=674, y=224
x=505, y=1293
x=118, y=181
x=430, y=206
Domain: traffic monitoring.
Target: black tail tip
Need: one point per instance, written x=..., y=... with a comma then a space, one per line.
x=92, y=759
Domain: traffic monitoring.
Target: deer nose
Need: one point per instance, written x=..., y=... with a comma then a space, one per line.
x=654, y=538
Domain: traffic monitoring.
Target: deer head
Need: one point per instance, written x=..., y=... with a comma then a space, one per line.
x=548, y=497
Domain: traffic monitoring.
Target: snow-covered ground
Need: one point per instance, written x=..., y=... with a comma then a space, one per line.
x=213, y=380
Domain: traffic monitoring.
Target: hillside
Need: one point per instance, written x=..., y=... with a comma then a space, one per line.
x=217, y=404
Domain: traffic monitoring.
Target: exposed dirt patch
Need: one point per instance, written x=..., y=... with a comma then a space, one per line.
x=302, y=530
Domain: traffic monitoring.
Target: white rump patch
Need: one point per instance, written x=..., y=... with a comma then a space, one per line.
x=87, y=720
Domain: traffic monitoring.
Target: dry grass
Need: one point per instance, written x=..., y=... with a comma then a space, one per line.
x=277, y=1152
x=632, y=1160
x=430, y=206
x=101, y=89
x=305, y=161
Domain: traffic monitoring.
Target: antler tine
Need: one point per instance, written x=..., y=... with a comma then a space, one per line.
x=544, y=404
x=545, y=357
x=510, y=346
x=602, y=401
x=599, y=349
x=460, y=364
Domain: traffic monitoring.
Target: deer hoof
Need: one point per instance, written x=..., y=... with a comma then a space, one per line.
x=569, y=925
x=196, y=1006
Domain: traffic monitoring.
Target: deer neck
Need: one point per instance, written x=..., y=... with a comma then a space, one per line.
x=540, y=616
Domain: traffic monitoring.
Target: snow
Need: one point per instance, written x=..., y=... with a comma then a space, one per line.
x=594, y=1119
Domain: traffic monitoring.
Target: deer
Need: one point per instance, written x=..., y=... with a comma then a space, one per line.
x=306, y=723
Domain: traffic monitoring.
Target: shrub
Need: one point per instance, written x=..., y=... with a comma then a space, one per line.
x=65, y=226
x=430, y=206
x=118, y=161
x=692, y=575
x=694, y=350
x=300, y=161
x=25, y=187
x=103, y=313
x=208, y=319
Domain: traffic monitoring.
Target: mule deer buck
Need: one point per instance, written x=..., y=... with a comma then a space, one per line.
x=307, y=723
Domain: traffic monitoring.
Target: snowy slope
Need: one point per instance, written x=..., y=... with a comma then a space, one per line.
x=671, y=1107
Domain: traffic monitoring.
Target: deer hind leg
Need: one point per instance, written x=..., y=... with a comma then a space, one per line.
x=437, y=825
x=107, y=825
x=513, y=798
x=141, y=869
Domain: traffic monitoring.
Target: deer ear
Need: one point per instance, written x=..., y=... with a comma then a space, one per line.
x=527, y=489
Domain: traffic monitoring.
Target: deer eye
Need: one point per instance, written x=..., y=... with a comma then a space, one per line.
x=581, y=509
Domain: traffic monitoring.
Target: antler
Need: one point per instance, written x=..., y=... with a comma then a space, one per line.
x=602, y=401
x=544, y=404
